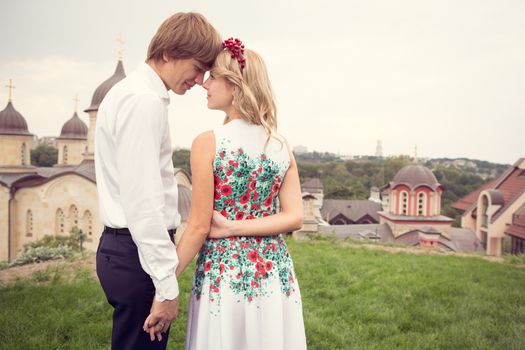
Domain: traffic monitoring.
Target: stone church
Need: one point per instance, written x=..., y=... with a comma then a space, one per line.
x=39, y=201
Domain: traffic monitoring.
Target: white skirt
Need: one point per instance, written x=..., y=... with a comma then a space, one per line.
x=234, y=307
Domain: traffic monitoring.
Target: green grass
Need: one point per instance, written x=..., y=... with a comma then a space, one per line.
x=353, y=298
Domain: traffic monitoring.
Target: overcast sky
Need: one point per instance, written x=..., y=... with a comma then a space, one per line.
x=447, y=76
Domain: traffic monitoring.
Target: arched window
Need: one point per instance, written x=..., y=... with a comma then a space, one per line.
x=64, y=155
x=59, y=222
x=484, y=214
x=88, y=223
x=29, y=223
x=73, y=216
x=404, y=203
x=421, y=203
x=23, y=154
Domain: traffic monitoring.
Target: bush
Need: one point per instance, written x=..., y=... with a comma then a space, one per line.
x=40, y=254
x=49, y=248
x=72, y=241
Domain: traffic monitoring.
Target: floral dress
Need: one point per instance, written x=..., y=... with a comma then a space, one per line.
x=245, y=293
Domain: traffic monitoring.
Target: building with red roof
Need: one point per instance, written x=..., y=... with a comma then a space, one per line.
x=496, y=212
x=413, y=206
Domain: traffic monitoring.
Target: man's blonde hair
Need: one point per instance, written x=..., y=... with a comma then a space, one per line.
x=186, y=35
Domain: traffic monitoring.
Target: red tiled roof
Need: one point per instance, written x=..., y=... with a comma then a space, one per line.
x=467, y=201
x=511, y=184
x=511, y=188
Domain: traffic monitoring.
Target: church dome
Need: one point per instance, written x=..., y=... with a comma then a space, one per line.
x=415, y=176
x=103, y=88
x=12, y=122
x=74, y=128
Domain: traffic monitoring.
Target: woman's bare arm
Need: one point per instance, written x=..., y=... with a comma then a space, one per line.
x=201, y=158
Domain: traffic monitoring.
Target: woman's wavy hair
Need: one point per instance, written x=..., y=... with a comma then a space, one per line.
x=252, y=97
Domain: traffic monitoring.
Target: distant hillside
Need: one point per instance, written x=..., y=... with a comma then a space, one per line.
x=317, y=157
x=472, y=166
x=482, y=168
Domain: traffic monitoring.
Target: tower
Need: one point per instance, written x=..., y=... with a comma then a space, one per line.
x=98, y=96
x=379, y=149
x=15, y=139
x=72, y=142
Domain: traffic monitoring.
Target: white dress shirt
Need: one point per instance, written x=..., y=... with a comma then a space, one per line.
x=135, y=177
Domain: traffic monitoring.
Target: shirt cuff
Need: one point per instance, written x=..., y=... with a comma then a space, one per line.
x=166, y=289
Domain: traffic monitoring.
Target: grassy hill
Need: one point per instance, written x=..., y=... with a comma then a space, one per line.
x=353, y=298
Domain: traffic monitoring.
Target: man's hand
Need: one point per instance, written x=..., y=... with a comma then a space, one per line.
x=220, y=226
x=161, y=315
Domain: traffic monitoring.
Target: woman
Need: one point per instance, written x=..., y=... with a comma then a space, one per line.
x=245, y=293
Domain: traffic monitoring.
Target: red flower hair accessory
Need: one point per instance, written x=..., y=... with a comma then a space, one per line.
x=236, y=47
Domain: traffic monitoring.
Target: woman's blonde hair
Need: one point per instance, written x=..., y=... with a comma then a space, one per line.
x=252, y=97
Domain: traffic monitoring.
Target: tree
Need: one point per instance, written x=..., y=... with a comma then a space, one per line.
x=181, y=159
x=44, y=156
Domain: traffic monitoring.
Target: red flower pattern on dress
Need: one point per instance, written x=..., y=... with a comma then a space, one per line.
x=226, y=190
x=253, y=255
x=245, y=198
x=245, y=188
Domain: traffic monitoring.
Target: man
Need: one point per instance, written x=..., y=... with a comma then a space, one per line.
x=136, y=260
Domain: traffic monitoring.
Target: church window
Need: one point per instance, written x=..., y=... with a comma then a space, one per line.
x=29, y=223
x=73, y=215
x=59, y=222
x=88, y=223
x=404, y=203
x=23, y=154
x=421, y=200
x=64, y=155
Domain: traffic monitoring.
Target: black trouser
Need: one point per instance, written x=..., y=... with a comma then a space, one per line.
x=128, y=289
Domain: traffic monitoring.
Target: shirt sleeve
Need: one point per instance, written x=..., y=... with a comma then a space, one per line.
x=141, y=123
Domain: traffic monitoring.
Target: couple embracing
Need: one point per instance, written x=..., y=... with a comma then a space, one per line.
x=245, y=194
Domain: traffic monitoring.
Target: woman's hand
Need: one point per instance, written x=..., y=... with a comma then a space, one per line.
x=220, y=226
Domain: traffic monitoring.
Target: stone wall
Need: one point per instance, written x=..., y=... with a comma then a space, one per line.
x=74, y=195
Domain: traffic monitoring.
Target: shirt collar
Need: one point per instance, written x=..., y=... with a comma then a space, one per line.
x=154, y=81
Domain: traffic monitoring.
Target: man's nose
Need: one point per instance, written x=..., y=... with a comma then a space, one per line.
x=199, y=79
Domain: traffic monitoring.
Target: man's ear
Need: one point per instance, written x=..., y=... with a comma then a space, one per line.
x=165, y=57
